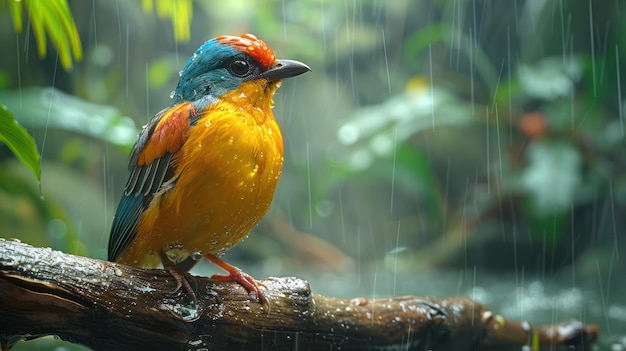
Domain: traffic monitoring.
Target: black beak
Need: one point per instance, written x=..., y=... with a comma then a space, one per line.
x=285, y=69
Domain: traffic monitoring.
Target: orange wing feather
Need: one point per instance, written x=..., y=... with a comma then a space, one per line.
x=169, y=134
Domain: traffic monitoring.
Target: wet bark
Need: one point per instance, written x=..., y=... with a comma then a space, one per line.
x=107, y=306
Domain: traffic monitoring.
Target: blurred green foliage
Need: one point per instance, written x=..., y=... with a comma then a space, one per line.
x=532, y=149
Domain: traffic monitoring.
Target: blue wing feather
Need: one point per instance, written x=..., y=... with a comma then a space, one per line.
x=125, y=223
x=143, y=182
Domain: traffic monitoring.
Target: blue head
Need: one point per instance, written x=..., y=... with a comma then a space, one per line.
x=222, y=63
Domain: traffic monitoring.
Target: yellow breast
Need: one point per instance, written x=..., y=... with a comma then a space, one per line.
x=227, y=171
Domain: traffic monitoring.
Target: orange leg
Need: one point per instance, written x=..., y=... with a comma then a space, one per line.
x=182, y=277
x=237, y=275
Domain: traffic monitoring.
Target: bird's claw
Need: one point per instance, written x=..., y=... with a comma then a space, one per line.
x=237, y=275
x=183, y=278
x=245, y=280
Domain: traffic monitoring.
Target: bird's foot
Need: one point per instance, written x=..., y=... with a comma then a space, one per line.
x=237, y=275
x=245, y=280
x=182, y=277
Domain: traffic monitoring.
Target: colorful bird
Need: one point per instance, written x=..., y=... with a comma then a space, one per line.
x=203, y=171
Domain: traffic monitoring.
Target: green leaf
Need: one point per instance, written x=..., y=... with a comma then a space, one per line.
x=547, y=226
x=553, y=176
x=69, y=28
x=373, y=130
x=37, y=21
x=51, y=17
x=179, y=11
x=551, y=78
x=16, y=14
x=552, y=182
x=56, y=31
x=19, y=141
x=51, y=108
x=419, y=169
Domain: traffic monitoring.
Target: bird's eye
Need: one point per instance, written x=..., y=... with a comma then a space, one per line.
x=240, y=67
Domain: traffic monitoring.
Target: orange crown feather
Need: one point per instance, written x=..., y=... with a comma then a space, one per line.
x=251, y=45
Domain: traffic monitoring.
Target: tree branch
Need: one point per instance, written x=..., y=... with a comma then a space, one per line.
x=107, y=306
